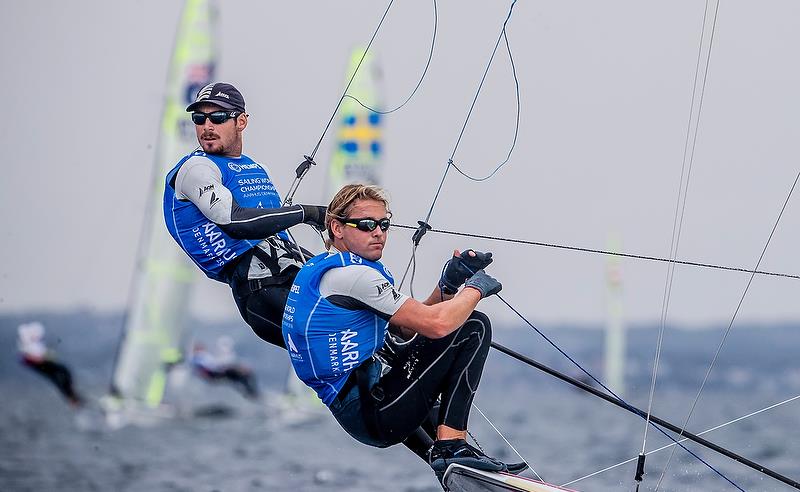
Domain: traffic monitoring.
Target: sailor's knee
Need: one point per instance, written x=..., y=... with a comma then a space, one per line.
x=481, y=323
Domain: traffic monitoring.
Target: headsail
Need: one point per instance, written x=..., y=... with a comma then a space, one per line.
x=358, y=152
x=163, y=274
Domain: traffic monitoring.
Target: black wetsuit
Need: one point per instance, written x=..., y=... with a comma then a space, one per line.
x=240, y=377
x=57, y=373
x=392, y=396
x=261, y=276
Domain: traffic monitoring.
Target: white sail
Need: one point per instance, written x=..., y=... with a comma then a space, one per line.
x=615, y=331
x=163, y=275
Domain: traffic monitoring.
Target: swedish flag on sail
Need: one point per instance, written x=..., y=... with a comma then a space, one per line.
x=358, y=152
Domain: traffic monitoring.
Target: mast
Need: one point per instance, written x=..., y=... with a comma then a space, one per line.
x=163, y=275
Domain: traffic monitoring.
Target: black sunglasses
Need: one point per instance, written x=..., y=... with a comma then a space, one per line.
x=368, y=224
x=216, y=117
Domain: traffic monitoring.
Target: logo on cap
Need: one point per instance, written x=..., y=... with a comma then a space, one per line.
x=205, y=92
x=220, y=93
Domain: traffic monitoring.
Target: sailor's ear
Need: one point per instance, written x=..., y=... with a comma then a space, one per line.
x=336, y=228
x=241, y=121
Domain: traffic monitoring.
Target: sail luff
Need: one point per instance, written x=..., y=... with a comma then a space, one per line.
x=154, y=321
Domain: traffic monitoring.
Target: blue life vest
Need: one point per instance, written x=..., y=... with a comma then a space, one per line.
x=326, y=342
x=208, y=246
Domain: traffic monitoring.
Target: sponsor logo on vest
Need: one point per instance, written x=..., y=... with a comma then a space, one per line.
x=212, y=244
x=333, y=353
x=355, y=259
x=349, y=351
x=290, y=343
x=239, y=167
x=295, y=289
x=288, y=313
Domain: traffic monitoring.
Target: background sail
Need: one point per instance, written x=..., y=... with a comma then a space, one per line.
x=357, y=157
x=358, y=149
x=615, y=329
x=163, y=275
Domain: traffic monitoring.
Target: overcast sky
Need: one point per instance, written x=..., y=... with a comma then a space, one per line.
x=606, y=89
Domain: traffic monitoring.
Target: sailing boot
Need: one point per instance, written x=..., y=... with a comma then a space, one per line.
x=516, y=468
x=447, y=452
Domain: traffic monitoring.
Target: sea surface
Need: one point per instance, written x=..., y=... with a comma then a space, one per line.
x=210, y=438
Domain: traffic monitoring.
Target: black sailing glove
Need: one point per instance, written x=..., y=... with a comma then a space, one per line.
x=459, y=268
x=314, y=215
x=485, y=283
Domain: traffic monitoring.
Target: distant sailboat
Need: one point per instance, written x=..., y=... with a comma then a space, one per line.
x=163, y=275
x=615, y=331
x=358, y=150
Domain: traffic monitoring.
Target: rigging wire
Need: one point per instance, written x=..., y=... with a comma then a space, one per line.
x=349, y=82
x=733, y=318
x=588, y=388
x=680, y=210
x=611, y=392
x=604, y=252
x=424, y=224
x=304, y=166
x=538, y=477
x=672, y=445
x=422, y=77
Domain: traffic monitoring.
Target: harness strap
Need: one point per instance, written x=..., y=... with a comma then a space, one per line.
x=369, y=397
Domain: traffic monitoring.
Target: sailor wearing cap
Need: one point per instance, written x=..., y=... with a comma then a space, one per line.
x=223, y=210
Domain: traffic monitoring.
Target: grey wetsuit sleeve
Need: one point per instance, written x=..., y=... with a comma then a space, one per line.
x=200, y=181
x=361, y=287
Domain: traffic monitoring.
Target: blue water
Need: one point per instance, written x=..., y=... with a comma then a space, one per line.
x=220, y=441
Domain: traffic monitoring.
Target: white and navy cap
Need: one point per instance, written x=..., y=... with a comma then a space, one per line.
x=221, y=94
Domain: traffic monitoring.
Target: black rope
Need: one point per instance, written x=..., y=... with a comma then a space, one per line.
x=605, y=252
x=422, y=77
